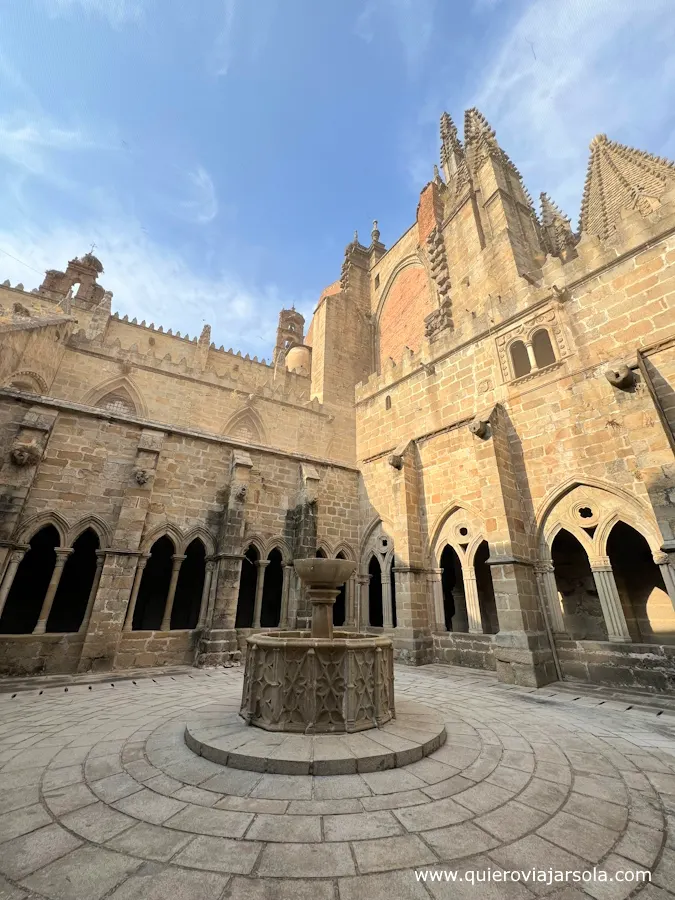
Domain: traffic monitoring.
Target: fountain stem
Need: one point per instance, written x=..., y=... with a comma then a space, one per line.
x=322, y=599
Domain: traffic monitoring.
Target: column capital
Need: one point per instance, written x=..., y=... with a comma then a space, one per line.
x=62, y=554
x=661, y=559
x=600, y=564
x=210, y=563
x=178, y=558
x=262, y=563
x=16, y=555
x=541, y=568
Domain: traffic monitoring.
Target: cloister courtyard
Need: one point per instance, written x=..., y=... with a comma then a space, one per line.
x=101, y=798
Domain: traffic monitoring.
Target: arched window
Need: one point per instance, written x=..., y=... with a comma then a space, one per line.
x=375, y=612
x=486, y=593
x=247, y=588
x=520, y=360
x=75, y=289
x=154, y=589
x=70, y=602
x=270, y=612
x=339, y=607
x=188, y=598
x=582, y=611
x=29, y=588
x=646, y=604
x=321, y=553
x=454, y=600
x=543, y=348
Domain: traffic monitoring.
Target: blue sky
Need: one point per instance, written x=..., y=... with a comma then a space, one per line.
x=220, y=153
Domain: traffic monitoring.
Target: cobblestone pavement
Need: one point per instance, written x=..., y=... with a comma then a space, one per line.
x=100, y=797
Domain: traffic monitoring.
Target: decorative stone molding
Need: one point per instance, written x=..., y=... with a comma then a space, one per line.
x=141, y=477
x=524, y=330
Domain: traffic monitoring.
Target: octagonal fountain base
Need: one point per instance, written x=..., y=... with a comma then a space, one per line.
x=294, y=682
x=416, y=732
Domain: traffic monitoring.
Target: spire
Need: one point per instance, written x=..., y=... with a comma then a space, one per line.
x=375, y=233
x=620, y=177
x=478, y=133
x=452, y=152
x=556, y=229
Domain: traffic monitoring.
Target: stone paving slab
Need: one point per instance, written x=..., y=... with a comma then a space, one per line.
x=101, y=798
x=416, y=732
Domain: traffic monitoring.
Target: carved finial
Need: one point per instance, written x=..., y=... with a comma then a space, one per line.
x=205, y=336
x=356, y=238
x=375, y=233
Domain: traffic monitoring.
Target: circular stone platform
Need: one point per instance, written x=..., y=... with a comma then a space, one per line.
x=416, y=732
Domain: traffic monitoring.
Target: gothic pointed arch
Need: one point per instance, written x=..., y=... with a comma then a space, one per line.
x=201, y=534
x=594, y=506
x=35, y=523
x=174, y=534
x=97, y=525
x=247, y=425
x=407, y=300
x=118, y=395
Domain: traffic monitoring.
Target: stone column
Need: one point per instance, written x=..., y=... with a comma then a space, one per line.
x=387, y=608
x=14, y=561
x=617, y=628
x=548, y=591
x=531, y=356
x=662, y=560
x=350, y=603
x=206, y=592
x=285, y=593
x=168, y=606
x=138, y=575
x=460, y=621
x=100, y=559
x=362, y=613
x=434, y=579
x=261, y=564
x=62, y=554
x=471, y=600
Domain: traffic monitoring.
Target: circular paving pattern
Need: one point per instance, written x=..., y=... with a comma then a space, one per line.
x=218, y=733
x=101, y=798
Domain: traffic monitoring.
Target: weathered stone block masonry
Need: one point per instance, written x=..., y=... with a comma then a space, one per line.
x=482, y=416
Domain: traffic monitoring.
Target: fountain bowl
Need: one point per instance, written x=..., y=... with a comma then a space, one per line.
x=320, y=681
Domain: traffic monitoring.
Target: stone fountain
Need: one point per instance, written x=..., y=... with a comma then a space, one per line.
x=321, y=680
x=309, y=691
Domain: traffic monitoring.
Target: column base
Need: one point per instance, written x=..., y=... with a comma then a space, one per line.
x=218, y=647
x=524, y=659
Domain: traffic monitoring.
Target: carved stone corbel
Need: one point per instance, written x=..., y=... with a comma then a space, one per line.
x=621, y=377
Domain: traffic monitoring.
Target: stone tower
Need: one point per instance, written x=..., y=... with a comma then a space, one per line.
x=290, y=331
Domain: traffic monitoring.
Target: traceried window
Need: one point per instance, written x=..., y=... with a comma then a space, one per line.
x=118, y=403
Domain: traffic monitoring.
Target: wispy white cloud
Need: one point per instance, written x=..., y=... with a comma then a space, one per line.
x=565, y=71
x=150, y=281
x=27, y=143
x=117, y=12
x=202, y=205
x=224, y=40
x=412, y=21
